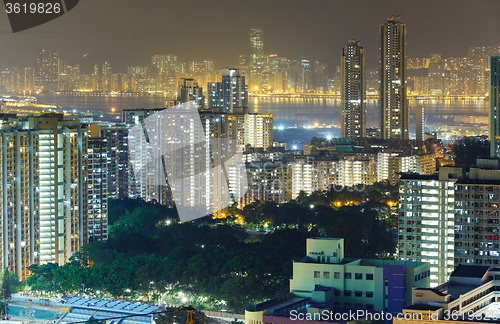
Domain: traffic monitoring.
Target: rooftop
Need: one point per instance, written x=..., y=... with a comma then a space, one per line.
x=274, y=304
x=110, y=305
x=437, y=292
x=477, y=181
x=365, y=262
x=405, y=176
x=423, y=307
x=469, y=271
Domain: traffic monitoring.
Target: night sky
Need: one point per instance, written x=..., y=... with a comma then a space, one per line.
x=129, y=32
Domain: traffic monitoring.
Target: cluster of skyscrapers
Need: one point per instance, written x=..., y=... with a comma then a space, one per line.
x=394, y=116
x=54, y=183
x=452, y=217
x=456, y=76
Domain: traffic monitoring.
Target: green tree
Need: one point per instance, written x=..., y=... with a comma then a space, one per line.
x=4, y=308
x=467, y=149
x=6, y=289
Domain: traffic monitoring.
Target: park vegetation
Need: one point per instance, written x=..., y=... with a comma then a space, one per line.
x=219, y=263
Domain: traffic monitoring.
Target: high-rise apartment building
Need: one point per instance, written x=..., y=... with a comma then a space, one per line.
x=257, y=59
x=494, y=129
x=478, y=68
x=354, y=171
x=353, y=101
x=118, y=165
x=106, y=68
x=230, y=95
x=43, y=178
x=426, y=221
x=189, y=90
x=131, y=117
x=258, y=130
x=309, y=176
x=97, y=185
x=391, y=164
x=29, y=79
x=477, y=218
x=46, y=70
x=394, y=110
x=436, y=78
x=449, y=219
x=267, y=181
x=136, y=116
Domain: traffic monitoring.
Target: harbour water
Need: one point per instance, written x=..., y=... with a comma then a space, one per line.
x=301, y=113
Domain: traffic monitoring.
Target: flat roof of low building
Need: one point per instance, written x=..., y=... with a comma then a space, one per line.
x=469, y=271
x=437, y=292
x=365, y=262
x=405, y=176
x=282, y=301
x=477, y=181
x=423, y=307
x=110, y=305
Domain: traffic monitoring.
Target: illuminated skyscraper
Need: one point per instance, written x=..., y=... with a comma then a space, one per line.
x=106, y=68
x=188, y=90
x=46, y=70
x=394, y=112
x=97, y=192
x=118, y=164
x=436, y=78
x=43, y=178
x=257, y=59
x=494, y=132
x=353, y=112
x=478, y=68
x=230, y=95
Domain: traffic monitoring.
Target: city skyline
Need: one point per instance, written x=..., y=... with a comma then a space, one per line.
x=294, y=29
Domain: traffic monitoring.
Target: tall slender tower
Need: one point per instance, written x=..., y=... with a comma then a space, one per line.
x=46, y=70
x=394, y=111
x=256, y=58
x=353, y=112
x=494, y=132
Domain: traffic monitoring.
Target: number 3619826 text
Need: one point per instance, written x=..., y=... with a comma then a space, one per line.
x=41, y=8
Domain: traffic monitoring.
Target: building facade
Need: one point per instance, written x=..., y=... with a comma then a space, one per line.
x=46, y=70
x=97, y=189
x=426, y=221
x=324, y=280
x=353, y=101
x=44, y=181
x=257, y=59
x=230, y=95
x=394, y=110
x=188, y=89
x=477, y=227
x=494, y=129
x=450, y=219
x=472, y=294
